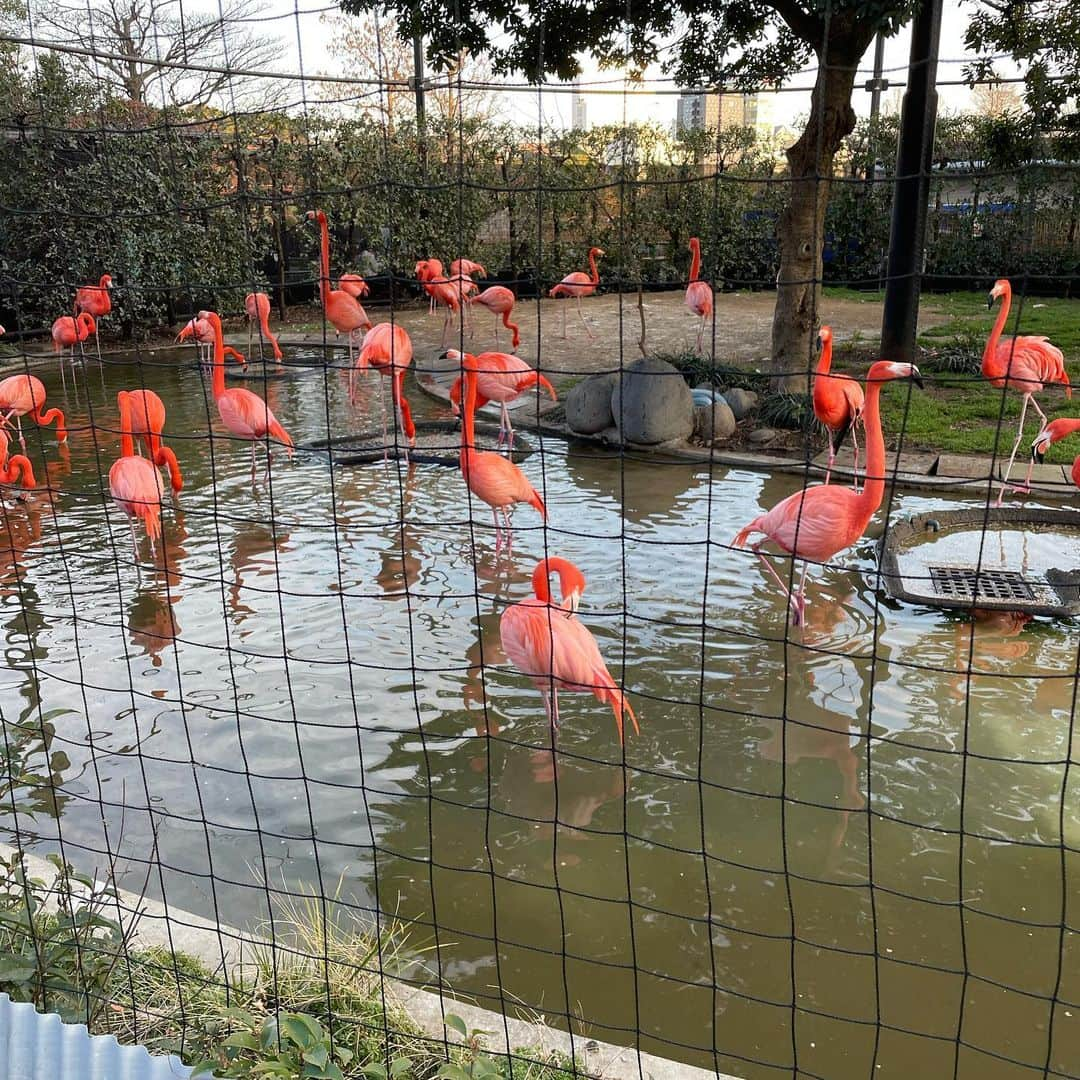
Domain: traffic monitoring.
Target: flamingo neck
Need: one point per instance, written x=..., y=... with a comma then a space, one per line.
x=874, y=486
x=825, y=361
x=324, y=257
x=219, y=359
x=468, y=415
x=1064, y=428
x=166, y=457
x=127, y=446
x=594, y=274
x=540, y=583
x=695, y=260
x=990, y=366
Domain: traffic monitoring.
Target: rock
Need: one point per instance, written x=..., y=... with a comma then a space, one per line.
x=652, y=404
x=762, y=435
x=742, y=402
x=714, y=422
x=588, y=405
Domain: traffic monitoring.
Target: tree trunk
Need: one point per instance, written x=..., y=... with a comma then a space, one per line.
x=801, y=228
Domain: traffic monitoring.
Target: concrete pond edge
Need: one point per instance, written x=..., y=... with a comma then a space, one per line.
x=150, y=923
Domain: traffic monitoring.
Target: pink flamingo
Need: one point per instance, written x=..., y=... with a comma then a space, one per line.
x=24, y=395
x=552, y=647
x=500, y=301
x=135, y=483
x=1025, y=364
x=343, y=310
x=1054, y=432
x=201, y=332
x=354, y=285
x=500, y=377
x=838, y=403
x=467, y=268
x=16, y=467
x=69, y=331
x=388, y=349
x=822, y=520
x=491, y=477
x=245, y=414
x=257, y=309
x=96, y=300
x=146, y=419
x=579, y=284
x=428, y=270
x=441, y=290
x=699, y=294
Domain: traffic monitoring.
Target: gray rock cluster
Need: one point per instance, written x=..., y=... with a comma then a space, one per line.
x=651, y=405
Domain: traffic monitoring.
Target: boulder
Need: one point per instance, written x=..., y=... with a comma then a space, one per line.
x=714, y=422
x=742, y=402
x=588, y=405
x=762, y=436
x=652, y=403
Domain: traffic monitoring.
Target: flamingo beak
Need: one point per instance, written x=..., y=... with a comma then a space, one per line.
x=1038, y=450
x=573, y=600
x=990, y=301
x=916, y=377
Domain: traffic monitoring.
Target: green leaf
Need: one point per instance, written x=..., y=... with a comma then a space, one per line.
x=400, y=1066
x=455, y=1023
x=375, y=1070
x=234, y=1013
x=242, y=1039
x=15, y=969
x=293, y=1028
x=204, y=1068
x=317, y=1055
x=343, y=1054
x=450, y=1070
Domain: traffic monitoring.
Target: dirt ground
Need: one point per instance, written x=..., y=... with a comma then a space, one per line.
x=742, y=326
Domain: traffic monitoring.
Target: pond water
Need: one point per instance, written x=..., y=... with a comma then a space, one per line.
x=305, y=690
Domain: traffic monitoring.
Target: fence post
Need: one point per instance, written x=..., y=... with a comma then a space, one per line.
x=914, y=156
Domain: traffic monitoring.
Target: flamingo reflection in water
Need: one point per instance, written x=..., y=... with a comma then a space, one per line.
x=152, y=622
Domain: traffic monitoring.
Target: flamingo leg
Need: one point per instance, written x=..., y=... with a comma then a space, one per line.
x=509, y=530
x=855, y=445
x=583, y=322
x=701, y=336
x=555, y=708
x=252, y=462
x=832, y=455
x=134, y=542
x=509, y=430
x=498, y=529
x=564, y=320
x=101, y=363
x=791, y=599
x=248, y=353
x=1016, y=446
x=800, y=603
x=496, y=329
x=63, y=375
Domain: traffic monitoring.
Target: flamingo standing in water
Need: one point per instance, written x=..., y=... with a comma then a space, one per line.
x=428, y=270
x=257, y=309
x=822, y=520
x=16, y=468
x=491, y=477
x=96, y=300
x=500, y=377
x=838, y=403
x=202, y=333
x=551, y=646
x=1054, y=432
x=69, y=331
x=440, y=289
x=579, y=284
x=245, y=414
x=343, y=310
x=1024, y=364
x=388, y=349
x=146, y=420
x=135, y=483
x=699, y=294
x=499, y=300
x=24, y=395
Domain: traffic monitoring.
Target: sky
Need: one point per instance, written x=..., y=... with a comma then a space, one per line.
x=306, y=37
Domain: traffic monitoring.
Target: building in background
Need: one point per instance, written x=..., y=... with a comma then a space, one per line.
x=690, y=112
x=701, y=111
x=577, y=109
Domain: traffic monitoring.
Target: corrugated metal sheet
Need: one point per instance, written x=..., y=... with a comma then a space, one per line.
x=38, y=1046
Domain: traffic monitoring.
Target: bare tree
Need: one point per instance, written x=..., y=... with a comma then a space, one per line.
x=370, y=48
x=138, y=50
x=995, y=99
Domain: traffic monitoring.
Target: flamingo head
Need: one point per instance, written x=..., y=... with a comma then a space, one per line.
x=695, y=244
x=571, y=582
x=824, y=335
x=315, y=216
x=596, y=252
x=1001, y=287
x=885, y=370
x=106, y=281
x=214, y=319
x=1041, y=445
x=87, y=325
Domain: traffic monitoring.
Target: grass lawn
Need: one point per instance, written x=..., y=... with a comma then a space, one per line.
x=959, y=412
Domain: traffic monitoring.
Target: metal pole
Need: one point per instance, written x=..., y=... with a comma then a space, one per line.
x=877, y=84
x=914, y=157
x=418, y=90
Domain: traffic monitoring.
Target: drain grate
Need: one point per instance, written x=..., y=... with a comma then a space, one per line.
x=959, y=582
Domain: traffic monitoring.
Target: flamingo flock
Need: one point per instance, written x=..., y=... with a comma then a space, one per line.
x=542, y=637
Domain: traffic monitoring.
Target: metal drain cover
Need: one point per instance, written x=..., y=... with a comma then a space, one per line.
x=969, y=583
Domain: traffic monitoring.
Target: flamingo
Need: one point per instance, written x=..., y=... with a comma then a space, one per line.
x=135, y=483
x=467, y=268
x=1054, y=432
x=499, y=301
x=500, y=377
x=146, y=419
x=24, y=395
x=354, y=285
x=491, y=477
x=257, y=309
x=579, y=284
x=202, y=333
x=1024, y=364
x=838, y=403
x=343, y=310
x=699, y=294
x=14, y=468
x=97, y=301
x=427, y=270
x=550, y=645
x=69, y=331
x=245, y=414
x=820, y=521
x=388, y=349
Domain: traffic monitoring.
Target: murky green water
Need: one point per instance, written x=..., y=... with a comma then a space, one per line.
x=249, y=706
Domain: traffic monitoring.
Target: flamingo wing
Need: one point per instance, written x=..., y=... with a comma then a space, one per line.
x=498, y=481
x=699, y=298
x=813, y=524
